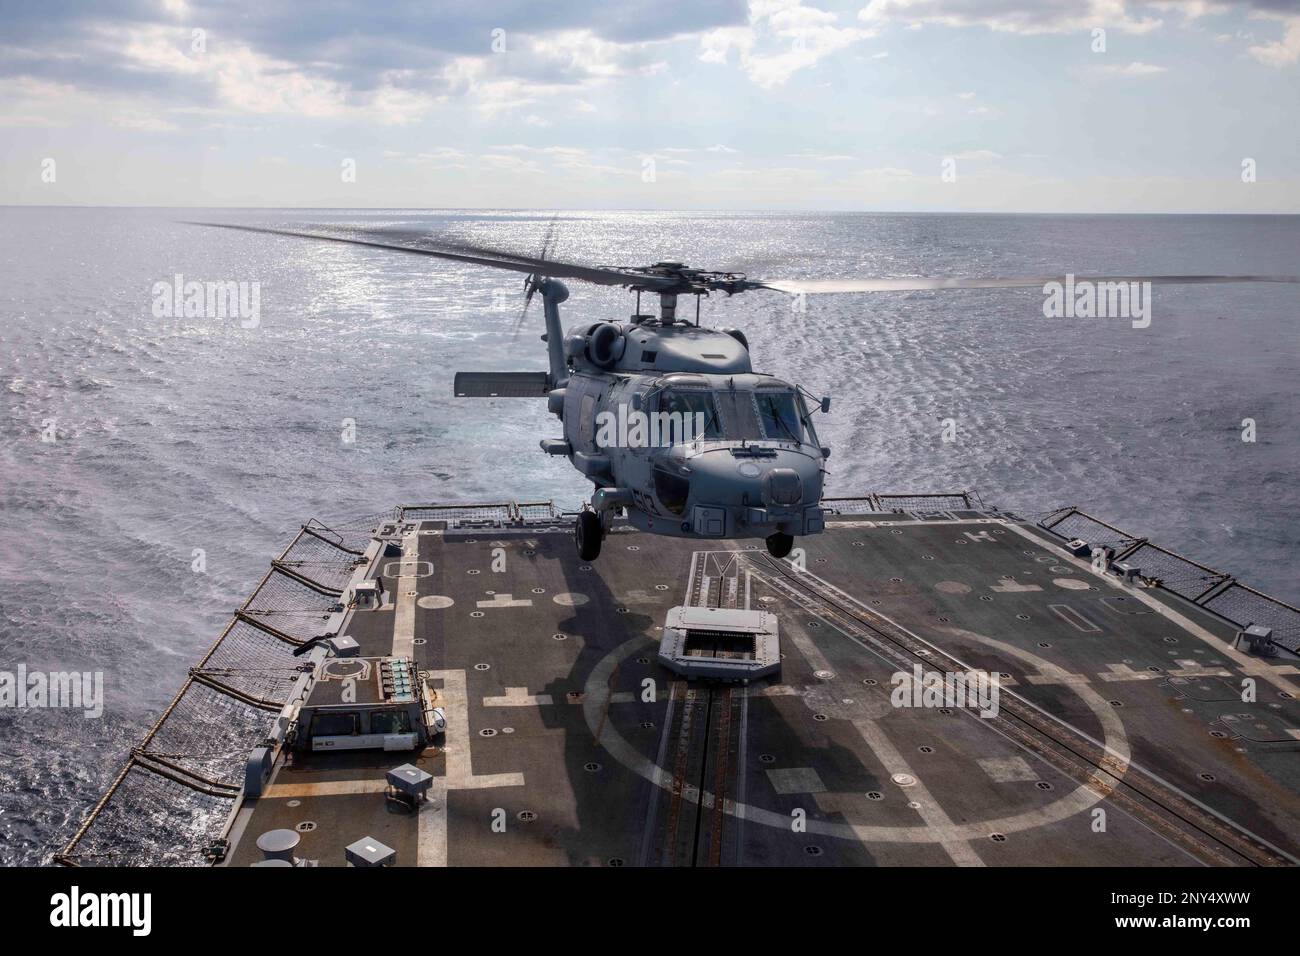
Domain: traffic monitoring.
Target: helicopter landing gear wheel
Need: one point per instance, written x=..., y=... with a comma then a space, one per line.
x=589, y=535
x=779, y=544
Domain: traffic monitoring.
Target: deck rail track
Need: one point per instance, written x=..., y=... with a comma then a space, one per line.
x=704, y=723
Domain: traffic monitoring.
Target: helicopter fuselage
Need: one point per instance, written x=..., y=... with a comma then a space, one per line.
x=673, y=428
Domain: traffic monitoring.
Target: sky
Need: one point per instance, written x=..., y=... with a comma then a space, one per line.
x=891, y=105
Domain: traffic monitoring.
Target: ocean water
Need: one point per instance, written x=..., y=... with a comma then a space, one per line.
x=172, y=435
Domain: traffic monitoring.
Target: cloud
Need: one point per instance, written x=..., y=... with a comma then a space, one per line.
x=884, y=176
x=1281, y=52
x=535, y=68
x=143, y=122
x=782, y=38
x=1278, y=53
x=355, y=60
x=1008, y=16
x=1131, y=69
x=822, y=157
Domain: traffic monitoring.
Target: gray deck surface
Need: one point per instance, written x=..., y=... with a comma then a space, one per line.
x=1122, y=737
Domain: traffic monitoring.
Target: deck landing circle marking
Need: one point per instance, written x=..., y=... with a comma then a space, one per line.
x=571, y=599
x=1070, y=584
x=1115, y=740
x=952, y=587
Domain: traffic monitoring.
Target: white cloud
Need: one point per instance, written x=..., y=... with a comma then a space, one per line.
x=885, y=175
x=557, y=64
x=1132, y=69
x=247, y=81
x=144, y=122
x=1281, y=52
x=27, y=101
x=782, y=38
x=1009, y=16
x=822, y=157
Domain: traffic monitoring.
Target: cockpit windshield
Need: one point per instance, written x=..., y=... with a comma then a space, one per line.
x=779, y=416
x=692, y=414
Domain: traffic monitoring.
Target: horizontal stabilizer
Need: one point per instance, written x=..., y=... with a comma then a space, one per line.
x=502, y=384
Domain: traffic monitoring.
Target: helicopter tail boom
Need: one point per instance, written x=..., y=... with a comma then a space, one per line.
x=502, y=384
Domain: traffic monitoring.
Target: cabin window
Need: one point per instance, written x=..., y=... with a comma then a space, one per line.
x=587, y=420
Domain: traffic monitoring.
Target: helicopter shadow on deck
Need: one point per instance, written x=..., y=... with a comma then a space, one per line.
x=615, y=804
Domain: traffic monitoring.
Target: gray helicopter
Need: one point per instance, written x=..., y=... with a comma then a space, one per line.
x=667, y=419
x=671, y=423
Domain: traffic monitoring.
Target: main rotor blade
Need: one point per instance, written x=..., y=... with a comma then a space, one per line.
x=523, y=313
x=473, y=255
x=549, y=240
x=531, y=281
x=922, y=284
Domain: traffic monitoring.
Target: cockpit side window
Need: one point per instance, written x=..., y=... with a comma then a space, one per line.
x=671, y=490
x=779, y=416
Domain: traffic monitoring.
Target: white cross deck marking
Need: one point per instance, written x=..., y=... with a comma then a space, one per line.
x=1196, y=670
x=506, y=600
x=432, y=837
x=1118, y=672
x=1009, y=585
x=1058, y=677
x=404, y=598
x=519, y=697
x=961, y=852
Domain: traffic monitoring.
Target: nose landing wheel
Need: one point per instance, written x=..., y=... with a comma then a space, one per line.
x=779, y=545
x=589, y=535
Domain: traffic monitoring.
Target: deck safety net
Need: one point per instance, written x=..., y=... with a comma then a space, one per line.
x=1205, y=586
x=179, y=786
x=925, y=503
